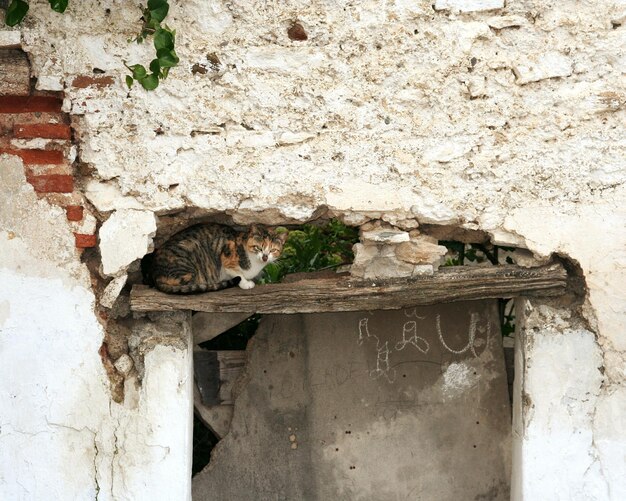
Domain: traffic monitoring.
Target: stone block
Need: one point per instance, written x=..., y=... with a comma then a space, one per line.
x=468, y=5
x=124, y=364
x=124, y=237
x=363, y=254
x=14, y=73
x=112, y=291
x=107, y=196
x=542, y=66
x=10, y=39
x=387, y=267
x=385, y=235
x=420, y=251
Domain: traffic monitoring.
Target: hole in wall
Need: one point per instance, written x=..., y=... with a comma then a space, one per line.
x=475, y=250
x=464, y=248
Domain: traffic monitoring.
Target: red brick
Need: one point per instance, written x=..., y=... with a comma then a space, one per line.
x=47, y=131
x=74, y=212
x=85, y=241
x=36, y=157
x=84, y=81
x=26, y=104
x=52, y=183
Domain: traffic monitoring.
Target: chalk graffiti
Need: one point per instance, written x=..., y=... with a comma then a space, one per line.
x=382, y=354
x=410, y=337
x=474, y=317
x=413, y=313
x=419, y=342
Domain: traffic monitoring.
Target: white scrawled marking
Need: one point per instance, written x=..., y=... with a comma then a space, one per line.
x=472, y=334
x=413, y=313
x=382, y=354
x=419, y=342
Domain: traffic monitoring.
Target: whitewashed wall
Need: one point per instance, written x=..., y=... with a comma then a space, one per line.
x=61, y=436
x=508, y=120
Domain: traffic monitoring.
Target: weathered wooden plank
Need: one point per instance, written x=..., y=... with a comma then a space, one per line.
x=14, y=73
x=345, y=294
x=216, y=417
x=206, y=326
x=216, y=373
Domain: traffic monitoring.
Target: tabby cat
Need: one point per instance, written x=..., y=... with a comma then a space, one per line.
x=208, y=257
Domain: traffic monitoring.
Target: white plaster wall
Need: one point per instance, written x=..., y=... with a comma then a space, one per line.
x=382, y=98
x=61, y=436
x=560, y=381
x=508, y=120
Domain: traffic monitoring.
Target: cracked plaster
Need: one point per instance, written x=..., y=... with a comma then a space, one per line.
x=384, y=112
x=61, y=436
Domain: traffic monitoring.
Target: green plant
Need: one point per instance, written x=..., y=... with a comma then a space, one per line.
x=164, y=41
x=308, y=248
x=461, y=252
x=152, y=16
x=17, y=10
x=313, y=248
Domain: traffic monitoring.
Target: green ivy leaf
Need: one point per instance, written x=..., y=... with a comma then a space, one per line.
x=155, y=67
x=153, y=24
x=158, y=9
x=129, y=81
x=15, y=12
x=167, y=58
x=151, y=82
x=58, y=5
x=139, y=72
x=155, y=4
x=163, y=39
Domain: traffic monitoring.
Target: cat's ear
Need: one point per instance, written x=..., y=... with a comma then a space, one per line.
x=254, y=229
x=282, y=234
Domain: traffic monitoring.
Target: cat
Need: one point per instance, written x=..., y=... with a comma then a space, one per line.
x=208, y=257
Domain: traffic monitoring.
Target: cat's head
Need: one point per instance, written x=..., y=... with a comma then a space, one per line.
x=265, y=244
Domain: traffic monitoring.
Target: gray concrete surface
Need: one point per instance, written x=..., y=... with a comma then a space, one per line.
x=409, y=404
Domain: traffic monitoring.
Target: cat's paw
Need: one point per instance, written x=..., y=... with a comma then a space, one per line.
x=246, y=284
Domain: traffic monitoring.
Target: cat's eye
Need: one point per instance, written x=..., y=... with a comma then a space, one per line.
x=256, y=248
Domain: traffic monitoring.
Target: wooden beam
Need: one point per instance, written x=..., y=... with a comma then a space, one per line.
x=342, y=293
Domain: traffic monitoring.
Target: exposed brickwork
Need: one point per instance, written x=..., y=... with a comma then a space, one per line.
x=84, y=81
x=52, y=183
x=74, y=212
x=26, y=104
x=34, y=128
x=85, y=241
x=39, y=157
x=45, y=130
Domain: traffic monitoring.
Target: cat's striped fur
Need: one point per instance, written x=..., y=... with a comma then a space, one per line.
x=208, y=257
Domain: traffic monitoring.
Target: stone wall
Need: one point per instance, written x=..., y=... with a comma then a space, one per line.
x=503, y=118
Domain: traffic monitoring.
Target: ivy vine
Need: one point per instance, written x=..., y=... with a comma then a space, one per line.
x=164, y=40
x=152, y=16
